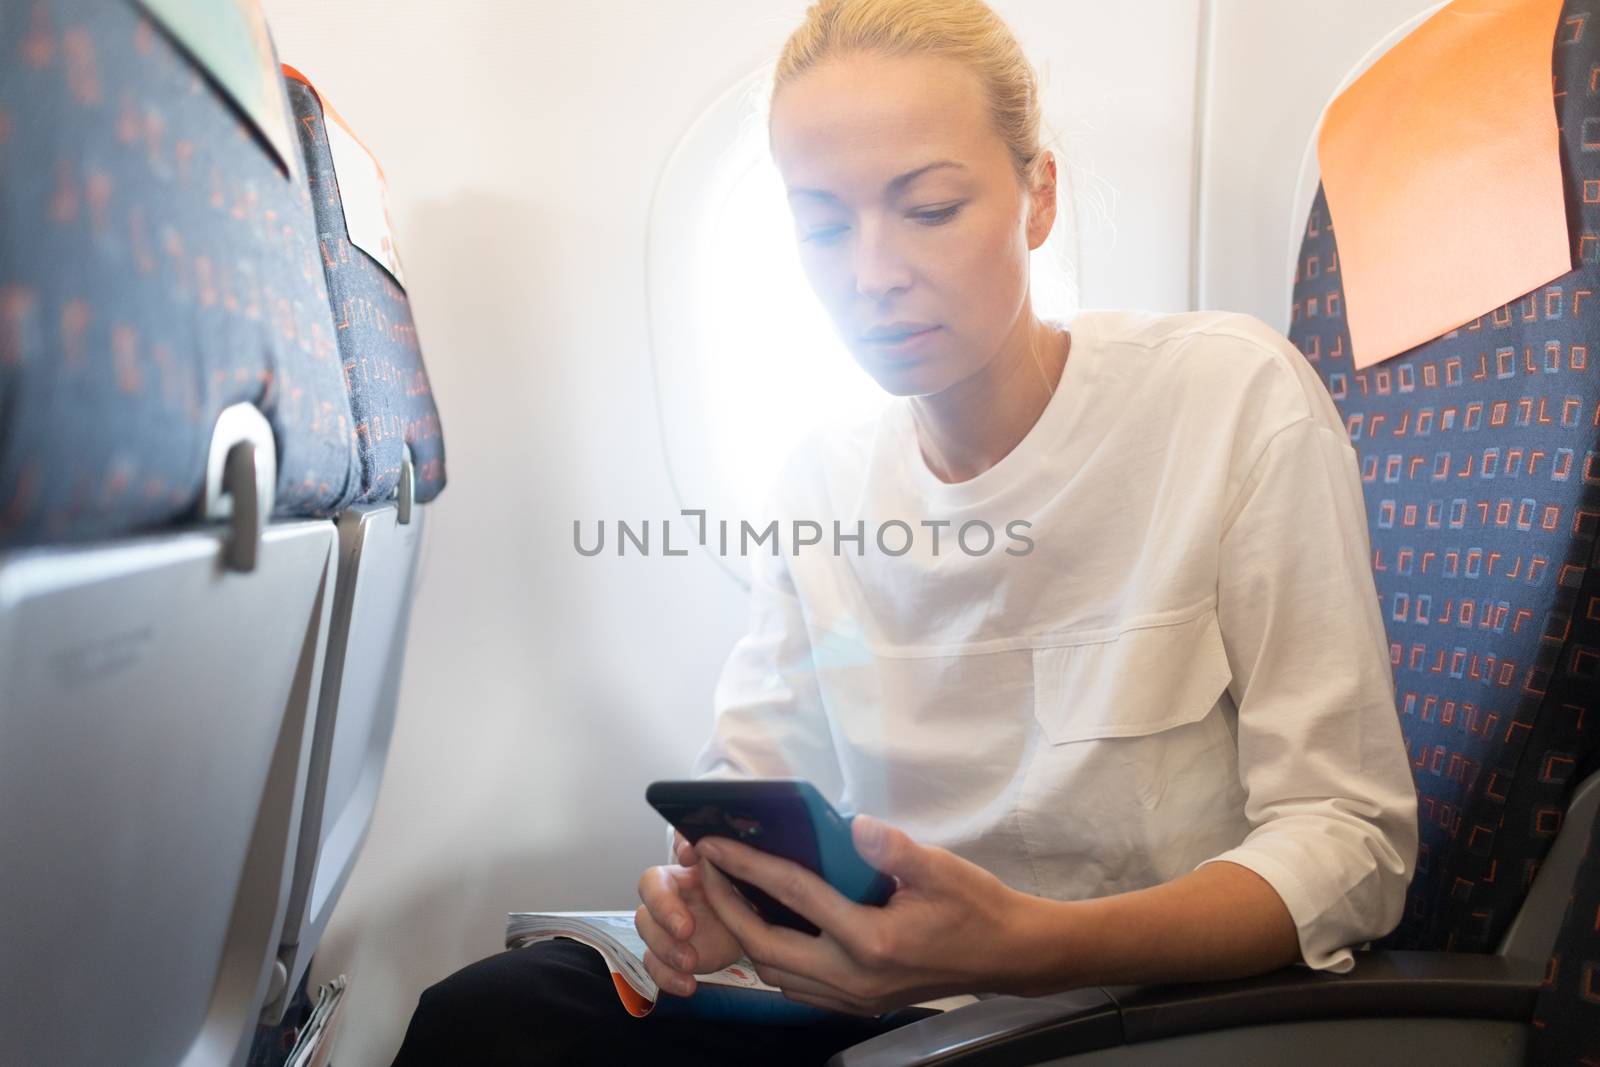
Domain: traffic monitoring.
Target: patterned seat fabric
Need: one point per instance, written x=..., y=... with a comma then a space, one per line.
x=1478, y=456
x=390, y=397
x=1482, y=482
x=156, y=266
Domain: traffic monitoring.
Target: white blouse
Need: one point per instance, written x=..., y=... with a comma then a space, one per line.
x=1172, y=652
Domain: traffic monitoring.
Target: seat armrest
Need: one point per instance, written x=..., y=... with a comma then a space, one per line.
x=1008, y=1027
x=1003, y=1027
x=1434, y=985
x=1022, y=1030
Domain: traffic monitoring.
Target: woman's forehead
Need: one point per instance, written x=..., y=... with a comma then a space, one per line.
x=854, y=126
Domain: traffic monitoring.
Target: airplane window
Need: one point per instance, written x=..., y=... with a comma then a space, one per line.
x=745, y=359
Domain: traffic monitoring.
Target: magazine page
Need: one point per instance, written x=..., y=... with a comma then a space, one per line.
x=613, y=935
x=315, y=1041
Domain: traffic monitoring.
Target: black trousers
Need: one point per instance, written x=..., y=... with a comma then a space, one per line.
x=554, y=1003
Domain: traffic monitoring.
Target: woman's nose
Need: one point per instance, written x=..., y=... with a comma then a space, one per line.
x=880, y=265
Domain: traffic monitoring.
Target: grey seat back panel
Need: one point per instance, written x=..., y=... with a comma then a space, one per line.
x=360, y=687
x=155, y=724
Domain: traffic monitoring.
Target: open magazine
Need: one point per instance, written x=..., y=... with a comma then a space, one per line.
x=315, y=1041
x=733, y=992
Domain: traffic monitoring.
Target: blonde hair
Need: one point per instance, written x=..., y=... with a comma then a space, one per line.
x=966, y=31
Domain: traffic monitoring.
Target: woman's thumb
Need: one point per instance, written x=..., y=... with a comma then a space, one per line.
x=885, y=848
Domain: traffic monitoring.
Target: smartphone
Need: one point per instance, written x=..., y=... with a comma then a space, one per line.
x=784, y=816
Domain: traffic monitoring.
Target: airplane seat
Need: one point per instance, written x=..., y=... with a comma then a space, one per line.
x=1485, y=587
x=1480, y=464
x=401, y=455
x=174, y=436
x=1495, y=672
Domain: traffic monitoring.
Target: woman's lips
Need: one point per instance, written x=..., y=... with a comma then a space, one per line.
x=910, y=344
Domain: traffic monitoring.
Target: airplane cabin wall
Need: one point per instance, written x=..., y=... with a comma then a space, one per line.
x=1268, y=71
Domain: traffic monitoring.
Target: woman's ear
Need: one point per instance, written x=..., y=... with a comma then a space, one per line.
x=1042, y=201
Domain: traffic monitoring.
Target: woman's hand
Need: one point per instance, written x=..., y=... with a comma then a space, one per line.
x=682, y=933
x=950, y=927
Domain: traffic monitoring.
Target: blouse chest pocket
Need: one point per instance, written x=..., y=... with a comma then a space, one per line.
x=1131, y=683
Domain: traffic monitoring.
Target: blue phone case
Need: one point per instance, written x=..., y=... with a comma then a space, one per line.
x=784, y=816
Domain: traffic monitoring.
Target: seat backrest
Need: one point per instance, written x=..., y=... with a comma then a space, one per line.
x=390, y=394
x=1478, y=456
x=401, y=455
x=157, y=264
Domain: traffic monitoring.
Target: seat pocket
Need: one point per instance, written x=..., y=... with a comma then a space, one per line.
x=1129, y=683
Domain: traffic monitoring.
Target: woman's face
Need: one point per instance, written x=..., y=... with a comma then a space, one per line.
x=909, y=214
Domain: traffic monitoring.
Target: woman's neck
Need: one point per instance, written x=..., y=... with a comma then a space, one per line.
x=968, y=428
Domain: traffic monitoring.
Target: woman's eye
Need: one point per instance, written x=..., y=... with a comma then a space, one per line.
x=938, y=216
x=826, y=235
x=830, y=234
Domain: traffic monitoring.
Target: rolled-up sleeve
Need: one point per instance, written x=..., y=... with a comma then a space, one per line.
x=768, y=716
x=1331, y=802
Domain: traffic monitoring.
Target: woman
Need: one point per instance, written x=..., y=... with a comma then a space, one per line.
x=1143, y=731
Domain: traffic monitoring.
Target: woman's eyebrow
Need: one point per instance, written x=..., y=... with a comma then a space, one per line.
x=894, y=185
